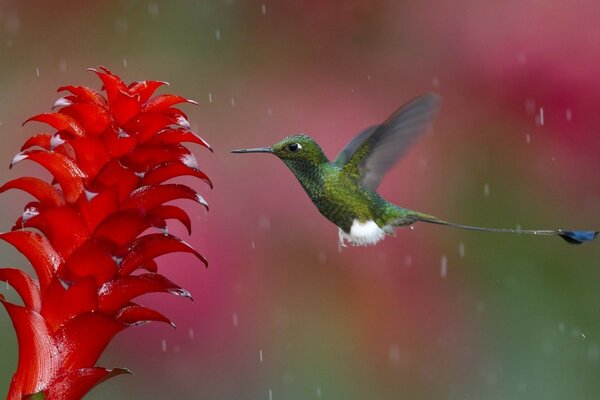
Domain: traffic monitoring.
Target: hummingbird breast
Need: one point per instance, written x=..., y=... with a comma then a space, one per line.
x=339, y=198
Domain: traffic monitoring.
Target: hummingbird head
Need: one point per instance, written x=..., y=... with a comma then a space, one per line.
x=292, y=150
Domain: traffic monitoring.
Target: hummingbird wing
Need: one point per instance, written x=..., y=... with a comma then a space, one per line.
x=376, y=149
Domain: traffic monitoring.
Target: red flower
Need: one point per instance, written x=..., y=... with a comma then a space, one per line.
x=109, y=157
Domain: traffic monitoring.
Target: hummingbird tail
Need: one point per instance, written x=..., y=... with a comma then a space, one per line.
x=573, y=237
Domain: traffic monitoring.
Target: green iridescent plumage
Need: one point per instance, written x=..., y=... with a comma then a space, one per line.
x=344, y=190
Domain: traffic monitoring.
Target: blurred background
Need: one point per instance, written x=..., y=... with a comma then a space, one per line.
x=432, y=313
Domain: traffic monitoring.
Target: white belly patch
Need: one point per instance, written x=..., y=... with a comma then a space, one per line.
x=363, y=233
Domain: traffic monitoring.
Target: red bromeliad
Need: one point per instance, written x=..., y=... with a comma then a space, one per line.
x=109, y=157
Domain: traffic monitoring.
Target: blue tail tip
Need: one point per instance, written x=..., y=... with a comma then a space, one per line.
x=579, y=237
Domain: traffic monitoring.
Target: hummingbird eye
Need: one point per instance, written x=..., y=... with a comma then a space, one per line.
x=294, y=147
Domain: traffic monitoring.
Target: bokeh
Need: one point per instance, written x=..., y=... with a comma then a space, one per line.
x=280, y=313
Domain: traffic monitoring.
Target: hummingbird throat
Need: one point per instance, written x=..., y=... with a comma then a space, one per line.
x=364, y=233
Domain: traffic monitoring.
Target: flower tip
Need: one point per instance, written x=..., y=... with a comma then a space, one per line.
x=181, y=292
x=182, y=121
x=201, y=200
x=62, y=102
x=18, y=158
x=120, y=371
x=56, y=141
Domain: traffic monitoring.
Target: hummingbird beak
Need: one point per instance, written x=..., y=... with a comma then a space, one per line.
x=254, y=150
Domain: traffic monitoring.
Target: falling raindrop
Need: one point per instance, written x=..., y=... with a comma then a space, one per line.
x=232, y=100
x=319, y=393
x=528, y=138
x=124, y=62
x=218, y=34
x=264, y=9
x=260, y=355
x=322, y=257
x=264, y=222
x=234, y=319
x=408, y=260
x=210, y=99
x=394, y=353
x=486, y=189
x=12, y=24
x=435, y=82
x=153, y=9
x=530, y=106
x=288, y=378
x=481, y=306
x=270, y=394
x=163, y=344
x=253, y=245
x=461, y=250
x=62, y=66
x=561, y=327
x=121, y=25
x=37, y=72
x=369, y=77
x=593, y=352
x=191, y=333
x=269, y=111
x=569, y=114
x=540, y=117
x=444, y=266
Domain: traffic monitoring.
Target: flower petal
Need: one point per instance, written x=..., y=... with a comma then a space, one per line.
x=60, y=122
x=74, y=384
x=151, y=246
x=39, y=139
x=172, y=169
x=164, y=101
x=114, y=174
x=63, y=226
x=37, y=249
x=93, y=118
x=38, y=354
x=122, y=227
x=44, y=192
x=118, y=292
x=83, y=94
x=145, y=89
x=95, y=207
x=136, y=315
x=83, y=338
x=151, y=196
x=25, y=286
x=178, y=135
x=63, y=301
x=165, y=212
x=91, y=259
x=122, y=105
x=63, y=169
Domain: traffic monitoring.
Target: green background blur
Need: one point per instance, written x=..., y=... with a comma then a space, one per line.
x=280, y=313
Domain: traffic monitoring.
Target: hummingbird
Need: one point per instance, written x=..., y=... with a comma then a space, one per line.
x=344, y=190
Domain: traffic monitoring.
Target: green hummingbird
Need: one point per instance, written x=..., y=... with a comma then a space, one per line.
x=344, y=190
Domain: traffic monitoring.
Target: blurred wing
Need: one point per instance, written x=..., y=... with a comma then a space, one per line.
x=351, y=147
x=375, y=150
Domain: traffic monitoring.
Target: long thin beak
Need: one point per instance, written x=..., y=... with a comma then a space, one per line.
x=254, y=150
